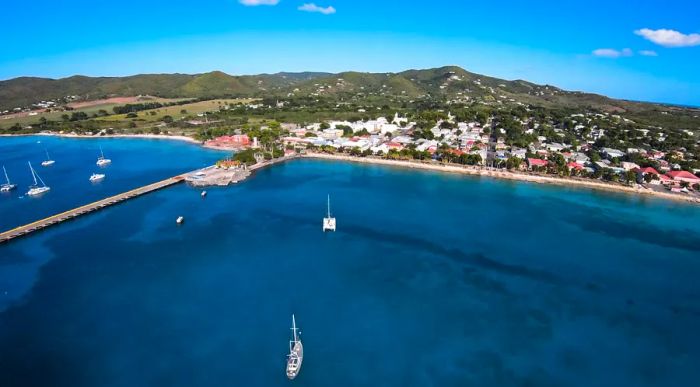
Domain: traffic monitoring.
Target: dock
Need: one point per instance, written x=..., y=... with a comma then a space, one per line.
x=219, y=178
x=86, y=209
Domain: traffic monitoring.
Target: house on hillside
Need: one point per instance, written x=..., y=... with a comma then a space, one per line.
x=611, y=153
x=539, y=163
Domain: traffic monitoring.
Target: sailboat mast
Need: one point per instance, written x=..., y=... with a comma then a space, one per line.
x=329, y=206
x=102, y=154
x=294, y=328
x=47, y=154
x=6, y=177
x=33, y=173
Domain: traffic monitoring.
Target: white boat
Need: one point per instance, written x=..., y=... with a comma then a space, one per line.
x=204, y=193
x=296, y=353
x=48, y=162
x=328, y=221
x=102, y=161
x=180, y=220
x=36, y=189
x=7, y=187
x=97, y=177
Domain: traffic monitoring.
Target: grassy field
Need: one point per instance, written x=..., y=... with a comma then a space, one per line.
x=6, y=122
x=177, y=112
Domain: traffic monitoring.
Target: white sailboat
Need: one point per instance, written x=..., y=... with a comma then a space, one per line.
x=95, y=177
x=7, y=187
x=48, y=162
x=328, y=221
x=296, y=353
x=102, y=161
x=36, y=189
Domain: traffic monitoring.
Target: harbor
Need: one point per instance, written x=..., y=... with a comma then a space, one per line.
x=209, y=176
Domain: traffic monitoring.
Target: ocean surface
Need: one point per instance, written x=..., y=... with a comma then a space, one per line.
x=431, y=280
x=135, y=162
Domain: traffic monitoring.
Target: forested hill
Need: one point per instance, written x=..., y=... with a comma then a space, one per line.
x=445, y=83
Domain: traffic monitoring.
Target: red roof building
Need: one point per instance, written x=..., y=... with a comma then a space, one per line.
x=536, y=163
x=683, y=176
x=646, y=170
x=576, y=166
x=235, y=141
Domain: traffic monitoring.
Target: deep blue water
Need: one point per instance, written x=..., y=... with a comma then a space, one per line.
x=135, y=162
x=431, y=279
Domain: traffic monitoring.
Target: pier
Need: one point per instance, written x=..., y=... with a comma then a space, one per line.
x=116, y=199
x=86, y=209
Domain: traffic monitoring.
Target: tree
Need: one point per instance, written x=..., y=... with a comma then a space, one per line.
x=513, y=162
x=168, y=119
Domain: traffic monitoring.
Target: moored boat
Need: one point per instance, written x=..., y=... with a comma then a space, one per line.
x=48, y=162
x=296, y=353
x=102, y=161
x=8, y=186
x=36, y=189
x=329, y=221
x=95, y=177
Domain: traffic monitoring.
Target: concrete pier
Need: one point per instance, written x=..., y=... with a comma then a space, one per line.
x=88, y=208
x=233, y=176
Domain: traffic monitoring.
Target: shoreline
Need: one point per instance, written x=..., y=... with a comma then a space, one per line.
x=506, y=175
x=436, y=167
x=141, y=136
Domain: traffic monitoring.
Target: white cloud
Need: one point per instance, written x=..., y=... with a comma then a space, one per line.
x=669, y=38
x=311, y=7
x=612, y=53
x=648, y=53
x=258, y=2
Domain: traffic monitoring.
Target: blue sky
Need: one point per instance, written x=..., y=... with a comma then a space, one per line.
x=646, y=51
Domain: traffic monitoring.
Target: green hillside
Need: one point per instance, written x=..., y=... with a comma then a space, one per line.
x=449, y=83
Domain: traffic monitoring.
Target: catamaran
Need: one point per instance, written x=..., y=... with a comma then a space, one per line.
x=48, y=161
x=7, y=187
x=35, y=189
x=328, y=221
x=97, y=177
x=296, y=353
x=102, y=161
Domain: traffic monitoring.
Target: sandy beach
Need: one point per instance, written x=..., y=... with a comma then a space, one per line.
x=449, y=168
x=143, y=136
x=503, y=174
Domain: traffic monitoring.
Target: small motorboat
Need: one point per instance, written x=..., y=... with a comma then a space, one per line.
x=180, y=220
x=95, y=177
x=204, y=193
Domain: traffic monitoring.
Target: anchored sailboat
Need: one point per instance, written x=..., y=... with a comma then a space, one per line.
x=35, y=189
x=102, y=161
x=328, y=221
x=296, y=353
x=48, y=161
x=7, y=187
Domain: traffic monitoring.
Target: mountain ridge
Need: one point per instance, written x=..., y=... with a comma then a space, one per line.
x=447, y=82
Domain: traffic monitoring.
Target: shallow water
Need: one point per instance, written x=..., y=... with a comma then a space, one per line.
x=431, y=279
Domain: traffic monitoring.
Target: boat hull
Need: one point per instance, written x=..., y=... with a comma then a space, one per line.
x=38, y=191
x=294, y=361
x=8, y=187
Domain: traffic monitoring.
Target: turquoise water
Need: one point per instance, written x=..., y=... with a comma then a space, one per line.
x=431, y=279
